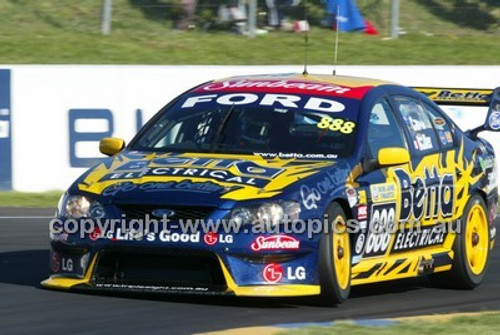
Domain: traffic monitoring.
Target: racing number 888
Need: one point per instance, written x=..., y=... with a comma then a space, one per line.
x=336, y=125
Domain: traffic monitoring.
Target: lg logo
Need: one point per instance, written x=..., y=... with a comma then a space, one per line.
x=274, y=273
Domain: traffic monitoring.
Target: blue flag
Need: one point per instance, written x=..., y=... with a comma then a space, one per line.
x=350, y=18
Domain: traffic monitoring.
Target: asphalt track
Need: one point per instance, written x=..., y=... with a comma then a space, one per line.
x=25, y=308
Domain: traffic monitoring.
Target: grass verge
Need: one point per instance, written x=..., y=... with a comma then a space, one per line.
x=25, y=199
x=461, y=324
x=65, y=31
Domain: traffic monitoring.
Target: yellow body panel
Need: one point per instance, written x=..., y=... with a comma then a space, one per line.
x=267, y=290
x=65, y=283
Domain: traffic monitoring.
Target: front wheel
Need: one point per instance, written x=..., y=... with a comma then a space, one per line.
x=335, y=258
x=471, y=248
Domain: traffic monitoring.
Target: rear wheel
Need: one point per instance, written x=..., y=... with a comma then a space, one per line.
x=471, y=249
x=335, y=258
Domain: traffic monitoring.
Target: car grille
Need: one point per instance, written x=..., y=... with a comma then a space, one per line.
x=134, y=211
x=181, y=268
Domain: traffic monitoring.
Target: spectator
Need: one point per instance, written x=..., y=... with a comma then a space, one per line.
x=188, y=10
x=234, y=13
x=278, y=12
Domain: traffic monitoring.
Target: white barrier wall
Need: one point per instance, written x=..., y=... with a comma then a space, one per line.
x=56, y=108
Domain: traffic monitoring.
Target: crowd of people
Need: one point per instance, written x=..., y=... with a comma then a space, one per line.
x=235, y=12
x=278, y=15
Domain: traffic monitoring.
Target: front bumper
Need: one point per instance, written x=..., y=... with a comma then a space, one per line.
x=162, y=265
x=88, y=283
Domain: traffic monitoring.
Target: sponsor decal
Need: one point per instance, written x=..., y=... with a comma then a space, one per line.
x=416, y=124
x=95, y=234
x=453, y=95
x=126, y=235
x=448, y=136
x=221, y=175
x=59, y=263
x=275, y=242
x=494, y=120
x=223, y=170
x=299, y=273
x=271, y=100
x=312, y=195
x=425, y=197
x=270, y=85
x=352, y=196
x=67, y=264
x=363, y=224
x=486, y=163
x=273, y=273
x=492, y=179
x=166, y=236
x=422, y=142
x=212, y=238
x=442, y=138
x=360, y=243
x=55, y=261
x=362, y=212
x=186, y=185
x=439, y=122
x=383, y=192
x=151, y=287
x=425, y=237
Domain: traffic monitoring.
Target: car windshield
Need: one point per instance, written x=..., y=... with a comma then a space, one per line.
x=255, y=124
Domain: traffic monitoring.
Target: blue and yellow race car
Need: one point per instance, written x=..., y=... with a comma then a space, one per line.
x=285, y=185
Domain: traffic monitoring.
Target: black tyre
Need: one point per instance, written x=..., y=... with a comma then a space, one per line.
x=471, y=249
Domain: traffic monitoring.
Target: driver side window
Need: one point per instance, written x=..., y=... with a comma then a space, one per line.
x=383, y=129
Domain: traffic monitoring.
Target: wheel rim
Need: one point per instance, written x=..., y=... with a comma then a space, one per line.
x=341, y=252
x=476, y=239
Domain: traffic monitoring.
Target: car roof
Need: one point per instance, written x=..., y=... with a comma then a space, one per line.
x=355, y=87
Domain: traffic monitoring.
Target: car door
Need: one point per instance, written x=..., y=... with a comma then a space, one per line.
x=427, y=186
x=378, y=193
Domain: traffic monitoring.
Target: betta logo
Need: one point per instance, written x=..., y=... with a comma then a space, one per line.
x=427, y=196
x=278, y=242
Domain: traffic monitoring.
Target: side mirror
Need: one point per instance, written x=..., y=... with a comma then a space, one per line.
x=492, y=122
x=111, y=145
x=393, y=156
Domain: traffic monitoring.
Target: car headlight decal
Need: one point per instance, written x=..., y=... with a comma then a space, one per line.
x=78, y=206
x=269, y=213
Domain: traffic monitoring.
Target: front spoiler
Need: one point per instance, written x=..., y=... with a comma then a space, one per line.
x=86, y=284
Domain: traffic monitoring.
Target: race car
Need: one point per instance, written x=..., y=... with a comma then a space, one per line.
x=285, y=185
